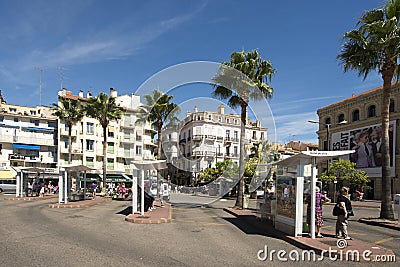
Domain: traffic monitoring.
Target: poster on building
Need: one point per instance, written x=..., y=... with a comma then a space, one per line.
x=366, y=142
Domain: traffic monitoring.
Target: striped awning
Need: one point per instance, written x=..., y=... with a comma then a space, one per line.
x=6, y=174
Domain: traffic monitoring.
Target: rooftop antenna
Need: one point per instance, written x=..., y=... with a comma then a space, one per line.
x=40, y=85
x=61, y=77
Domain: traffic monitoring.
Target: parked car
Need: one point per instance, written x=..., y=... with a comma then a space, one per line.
x=8, y=185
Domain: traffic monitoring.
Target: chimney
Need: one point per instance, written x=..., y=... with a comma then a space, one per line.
x=196, y=109
x=81, y=93
x=113, y=93
x=89, y=94
x=221, y=109
x=188, y=113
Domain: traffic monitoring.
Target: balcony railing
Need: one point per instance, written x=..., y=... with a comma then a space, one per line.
x=197, y=137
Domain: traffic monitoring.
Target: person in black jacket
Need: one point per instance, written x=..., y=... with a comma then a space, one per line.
x=341, y=222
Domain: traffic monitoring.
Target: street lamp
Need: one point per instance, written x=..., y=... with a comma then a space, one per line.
x=328, y=126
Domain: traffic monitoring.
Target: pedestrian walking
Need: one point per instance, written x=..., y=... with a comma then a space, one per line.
x=319, y=221
x=93, y=189
x=343, y=204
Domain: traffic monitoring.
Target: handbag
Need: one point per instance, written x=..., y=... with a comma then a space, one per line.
x=350, y=213
x=338, y=210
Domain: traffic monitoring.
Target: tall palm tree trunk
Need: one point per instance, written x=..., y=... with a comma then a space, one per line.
x=69, y=143
x=104, y=156
x=386, y=204
x=243, y=117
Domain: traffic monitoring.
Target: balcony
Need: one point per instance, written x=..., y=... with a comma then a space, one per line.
x=64, y=132
x=228, y=139
x=128, y=141
x=211, y=137
x=182, y=141
x=220, y=138
x=197, y=137
x=16, y=157
x=231, y=155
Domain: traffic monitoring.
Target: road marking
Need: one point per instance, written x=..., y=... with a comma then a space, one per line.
x=384, y=240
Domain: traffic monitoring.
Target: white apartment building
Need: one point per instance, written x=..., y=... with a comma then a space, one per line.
x=207, y=137
x=28, y=138
x=126, y=141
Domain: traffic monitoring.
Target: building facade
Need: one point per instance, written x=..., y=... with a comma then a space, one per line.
x=204, y=138
x=28, y=138
x=355, y=123
x=126, y=141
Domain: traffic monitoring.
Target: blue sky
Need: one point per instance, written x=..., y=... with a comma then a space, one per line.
x=120, y=44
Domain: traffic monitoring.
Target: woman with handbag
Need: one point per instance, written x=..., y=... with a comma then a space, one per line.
x=344, y=210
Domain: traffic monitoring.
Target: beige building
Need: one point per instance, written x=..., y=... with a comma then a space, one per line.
x=126, y=141
x=28, y=138
x=355, y=123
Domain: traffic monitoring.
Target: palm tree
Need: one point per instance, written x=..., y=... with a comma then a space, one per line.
x=375, y=45
x=244, y=77
x=158, y=110
x=105, y=110
x=70, y=111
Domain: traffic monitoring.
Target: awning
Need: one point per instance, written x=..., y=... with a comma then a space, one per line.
x=115, y=178
x=6, y=174
x=8, y=126
x=25, y=146
x=37, y=129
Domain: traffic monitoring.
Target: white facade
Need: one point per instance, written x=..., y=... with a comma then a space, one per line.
x=126, y=141
x=28, y=137
x=206, y=137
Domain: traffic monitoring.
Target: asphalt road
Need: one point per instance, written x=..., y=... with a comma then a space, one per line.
x=34, y=235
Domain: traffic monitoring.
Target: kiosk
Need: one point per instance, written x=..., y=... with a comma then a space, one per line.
x=296, y=177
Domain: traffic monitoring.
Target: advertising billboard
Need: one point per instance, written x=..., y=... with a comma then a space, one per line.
x=366, y=142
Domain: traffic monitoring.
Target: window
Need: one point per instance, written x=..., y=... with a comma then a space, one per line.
x=35, y=122
x=52, y=124
x=16, y=119
x=33, y=112
x=340, y=118
x=90, y=161
x=371, y=111
x=90, y=128
x=219, y=119
x=262, y=136
x=138, y=150
x=66, y=143
x=328, y=120
x=254, y=135
x=356, y=115
x=209, y=117
x=228, y=133
x=111, y=134
x=236, y=121
x=110, y=147
x=236, y=135
x=89, y=145
x=13, y=110
x=227, y=120
x=1, y=118
x=391, y=107
x=235, y=150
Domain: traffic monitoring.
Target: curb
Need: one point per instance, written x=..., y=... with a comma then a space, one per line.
x=143, y=219
x=388, y=225
x=72, y=205
x=29, y=198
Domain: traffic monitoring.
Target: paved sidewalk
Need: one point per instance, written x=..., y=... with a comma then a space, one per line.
x=156, y=216
x=319, y=245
